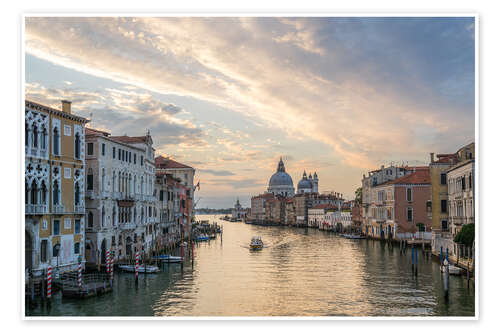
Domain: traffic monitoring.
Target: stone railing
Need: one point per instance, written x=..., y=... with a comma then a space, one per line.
x=89, y=194
x=79, y=209
x=128, y=226
x=58, y=209
x=36, y=209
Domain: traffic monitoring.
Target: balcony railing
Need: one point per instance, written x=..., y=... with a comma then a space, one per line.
x=79, y=209
x=105, y=194
x=36, y=209
x=58, y=209
x=90, y=194
x=128, y=226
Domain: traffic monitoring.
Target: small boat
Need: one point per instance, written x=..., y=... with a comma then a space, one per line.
x=256, y=243
x=131, y=269
x=168, y=258
x=453, y=270
x=202, y=237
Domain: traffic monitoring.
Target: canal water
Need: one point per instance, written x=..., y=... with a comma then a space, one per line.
x=300, y=272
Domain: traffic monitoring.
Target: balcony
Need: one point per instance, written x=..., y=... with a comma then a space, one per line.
x=128, y=226
x=105, y=194
x=36, y=209
x=79, y=209
x=117, y=195
x=90, y=194
x=458, y=220
x=58, y=209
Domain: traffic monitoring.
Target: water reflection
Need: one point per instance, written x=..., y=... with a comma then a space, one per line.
x=299, y=273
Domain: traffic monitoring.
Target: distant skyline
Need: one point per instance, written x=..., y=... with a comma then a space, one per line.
x=229, y=96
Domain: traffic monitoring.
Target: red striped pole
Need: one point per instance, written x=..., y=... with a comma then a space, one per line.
x=136, y=265
x=107, y=261
x=112, y=264
x=79, y=274
x=49, y=282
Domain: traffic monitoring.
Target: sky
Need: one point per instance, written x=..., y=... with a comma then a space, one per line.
x=229, y=96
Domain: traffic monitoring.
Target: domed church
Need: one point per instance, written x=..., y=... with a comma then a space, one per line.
x=281, y=184
x=308, y=185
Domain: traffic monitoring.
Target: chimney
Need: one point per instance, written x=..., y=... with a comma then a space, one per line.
x=66, y=106
x=432, y=157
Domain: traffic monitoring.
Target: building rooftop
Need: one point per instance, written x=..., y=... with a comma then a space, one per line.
x=168, y=163
x=421, y=175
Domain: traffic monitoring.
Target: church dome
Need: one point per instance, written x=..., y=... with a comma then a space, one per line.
x=305, y=183
x=280, y=179
x=281, y=183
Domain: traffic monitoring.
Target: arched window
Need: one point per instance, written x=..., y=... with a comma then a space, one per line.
x=77, y=146
x=43, y=192
x=55, y=193
x=114, y=216
x=26, y=135
x=114, y=181
x=77, y=193
x=103, y=184
x=103, y=217
x=90, y=220
x=26, y=192
x=34, y=193
x=55, y=136
x=43, y=138
x=35, y=136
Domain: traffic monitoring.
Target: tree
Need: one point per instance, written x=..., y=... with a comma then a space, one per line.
x=466, y=235
x=359, y=195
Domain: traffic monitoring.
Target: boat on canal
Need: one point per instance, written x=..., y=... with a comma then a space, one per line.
x=131, y=269
x=453, y=270
x=202, y=238
x=353, y=236
x=256, y=243
x=168, y=258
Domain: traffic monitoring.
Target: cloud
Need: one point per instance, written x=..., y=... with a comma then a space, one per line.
x=368, y=89
x=217, y=172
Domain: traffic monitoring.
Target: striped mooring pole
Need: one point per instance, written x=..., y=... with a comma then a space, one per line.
x=107, y=261
x=136, y=266
x=80, y=273
x=49, y=282
x=112, y=264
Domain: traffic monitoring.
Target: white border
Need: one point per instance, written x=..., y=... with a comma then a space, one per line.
x=268, y=13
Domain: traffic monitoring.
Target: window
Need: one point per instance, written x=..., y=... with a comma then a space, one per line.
x=90, y=220
x=119, y=154
x=35, y=136
x=77, y=146
x=463, y=183
x=67, y=223
x=57, y=227
x=103, y=149
x=409, y=214
x=428, y=205
x=161, y=195
x=142, y=160
x=443, y=179
x=135, y=158
x=55, y=193
x=43, y=139
x=77, y=226
x=67, y=173
x=444, y=225
x=55, y=146
x=43, y=250
x=90, y=148
x=470, y=180
x=130, y=157
x=77, y=194
x=408, y=194
x=444, y=205
x=67, y=130
x=90, y=182
x=114, y=152
x=55, y=250
x=77, y=248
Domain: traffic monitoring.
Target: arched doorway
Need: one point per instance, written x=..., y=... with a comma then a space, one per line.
x=103, y=251
x=28, y=250
x=128, y=247
x=90, y=252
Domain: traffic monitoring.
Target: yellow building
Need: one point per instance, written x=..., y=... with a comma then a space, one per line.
x=54, y=188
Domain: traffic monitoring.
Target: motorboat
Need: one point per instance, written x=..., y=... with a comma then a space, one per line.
x=452, y=269
x=131, y=269
x=202, y=237
x=168, y=258
x=256, y=243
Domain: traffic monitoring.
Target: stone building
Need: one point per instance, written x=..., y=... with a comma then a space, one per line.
x=120, y=202
x=238, y=212
x=257, y=210
x=400, y=206
x=54, y=188
x=185, y=173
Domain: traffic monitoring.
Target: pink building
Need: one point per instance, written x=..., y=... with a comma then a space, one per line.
x=401, y=207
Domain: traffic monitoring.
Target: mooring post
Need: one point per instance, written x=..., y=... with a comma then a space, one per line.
x=416, y=261
x=446, y=277
x=136, y=268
